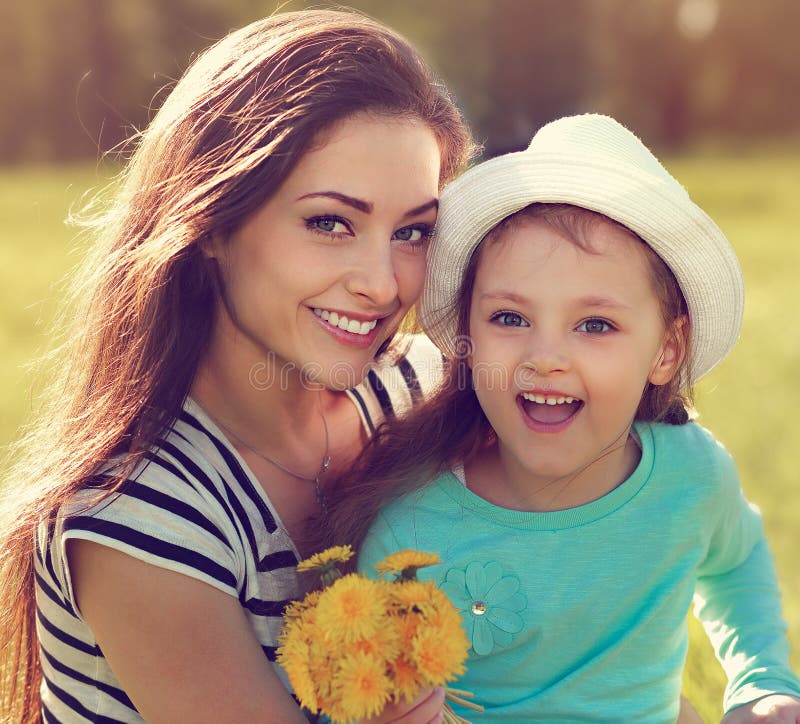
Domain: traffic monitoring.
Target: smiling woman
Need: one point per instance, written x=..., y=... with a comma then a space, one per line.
x=328, y=267
x=266, y=241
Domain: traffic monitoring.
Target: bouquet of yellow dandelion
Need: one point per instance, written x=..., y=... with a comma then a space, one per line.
x=357, y=644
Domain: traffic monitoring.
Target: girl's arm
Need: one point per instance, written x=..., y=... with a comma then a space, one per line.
x=737, y=599
x=775, y=709
x=741, y=613
x=184, y=651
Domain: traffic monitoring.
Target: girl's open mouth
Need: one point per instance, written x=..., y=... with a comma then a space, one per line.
x=548, y=413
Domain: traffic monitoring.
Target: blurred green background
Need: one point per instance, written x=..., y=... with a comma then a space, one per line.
x=712, y=85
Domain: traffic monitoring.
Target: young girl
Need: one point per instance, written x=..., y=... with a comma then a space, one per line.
x=266, y=241
x=578, y=293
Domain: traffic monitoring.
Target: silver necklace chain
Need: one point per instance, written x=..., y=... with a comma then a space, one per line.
x=326, y=458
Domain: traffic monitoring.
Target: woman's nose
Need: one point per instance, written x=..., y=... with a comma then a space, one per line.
x=373, y=276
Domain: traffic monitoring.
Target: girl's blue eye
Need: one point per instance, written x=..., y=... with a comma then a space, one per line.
x=331, y=225
x=595, y=326
x=415, y=235
x=509, y=319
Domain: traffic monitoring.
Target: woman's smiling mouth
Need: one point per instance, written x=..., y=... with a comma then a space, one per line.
x=346, y=324
x=349, y=330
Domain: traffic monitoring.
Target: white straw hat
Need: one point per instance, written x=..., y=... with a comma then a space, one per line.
x=594, y=162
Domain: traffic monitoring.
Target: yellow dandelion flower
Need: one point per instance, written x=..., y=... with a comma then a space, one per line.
x=292, y=640
x=433, y=603
x=385, y=643
x=323, y=673
x=351, y=609
x=407, y=595
x=406, y=627
x=326, y=559
x=406, y=563
x=438, y=659
x=362, y=685
x=296, y=609
x=405, y=678
x=303, y=683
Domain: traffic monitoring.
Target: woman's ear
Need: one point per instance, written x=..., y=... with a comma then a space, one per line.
x=211, y=246
x=672, y=352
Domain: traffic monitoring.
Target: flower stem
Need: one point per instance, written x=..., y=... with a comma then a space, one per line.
x=459, y=696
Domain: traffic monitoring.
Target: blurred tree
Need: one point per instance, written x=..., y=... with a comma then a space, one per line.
x=647, y=68
x=540, y=67
x=753, y=68
x=78, y=77
x=82, y=74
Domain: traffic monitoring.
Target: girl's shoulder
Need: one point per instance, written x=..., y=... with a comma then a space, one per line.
x=691, y=447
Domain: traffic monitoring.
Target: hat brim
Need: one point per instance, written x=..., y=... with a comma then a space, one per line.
x=657, y=210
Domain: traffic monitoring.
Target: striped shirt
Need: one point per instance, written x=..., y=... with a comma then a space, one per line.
x=193, y=507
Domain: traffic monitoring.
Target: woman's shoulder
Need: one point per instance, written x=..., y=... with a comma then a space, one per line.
x=407, y=373
x=415, y=351
x=188, y=478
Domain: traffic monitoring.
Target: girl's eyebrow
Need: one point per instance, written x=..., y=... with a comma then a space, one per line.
x=589, y=301
x=504, y=296
x=366, y=207
x=605, y=302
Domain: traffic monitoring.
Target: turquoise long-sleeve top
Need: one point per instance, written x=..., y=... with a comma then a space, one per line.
x=580, y=615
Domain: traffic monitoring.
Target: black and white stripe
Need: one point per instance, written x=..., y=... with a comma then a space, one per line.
x=407, y=374
x=192, y=508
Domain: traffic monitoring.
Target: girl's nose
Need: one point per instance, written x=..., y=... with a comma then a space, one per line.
x=545, y=356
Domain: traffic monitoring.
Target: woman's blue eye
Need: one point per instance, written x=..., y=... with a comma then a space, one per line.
x=509, y=319
x=594, y=326
x=414, y=235
x=327, y=225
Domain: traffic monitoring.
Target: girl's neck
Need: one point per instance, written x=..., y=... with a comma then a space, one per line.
x=499, y=478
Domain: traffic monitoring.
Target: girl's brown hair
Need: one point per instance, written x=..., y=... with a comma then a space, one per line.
x=224, y=140
x=451, y=426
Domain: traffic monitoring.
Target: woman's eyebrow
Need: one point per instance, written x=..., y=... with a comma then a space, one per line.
x=422, y=208
x=367, y=207
x=358, y=204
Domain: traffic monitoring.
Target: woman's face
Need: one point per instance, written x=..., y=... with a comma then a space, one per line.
x=325, y=270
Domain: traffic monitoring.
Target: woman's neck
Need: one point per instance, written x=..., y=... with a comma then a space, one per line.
x=253, y=395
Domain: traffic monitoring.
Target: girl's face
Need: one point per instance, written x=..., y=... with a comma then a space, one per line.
x=320, y=275
x=564, y=342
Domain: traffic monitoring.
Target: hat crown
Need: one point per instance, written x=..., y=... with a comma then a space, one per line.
x=602, y=141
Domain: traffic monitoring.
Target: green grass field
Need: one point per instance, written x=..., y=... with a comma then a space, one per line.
x=750, y=402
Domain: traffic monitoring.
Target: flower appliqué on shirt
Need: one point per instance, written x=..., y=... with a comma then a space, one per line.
x=490, y=603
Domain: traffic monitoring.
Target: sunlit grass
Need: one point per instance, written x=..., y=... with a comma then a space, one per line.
x=749, y=402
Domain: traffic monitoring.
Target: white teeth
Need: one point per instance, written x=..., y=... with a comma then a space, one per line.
x=348, y=325
x=542, y=400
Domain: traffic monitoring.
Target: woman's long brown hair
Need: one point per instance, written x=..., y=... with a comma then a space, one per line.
x=451, y=427
x=227, y=136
